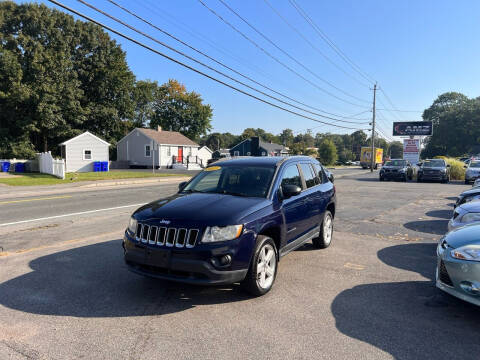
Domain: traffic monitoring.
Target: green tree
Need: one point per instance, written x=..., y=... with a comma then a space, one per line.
x=143, y=96
x=396, y=150
x=176, y=109
x=58, y=77
x=327, y=152
x=286, y=137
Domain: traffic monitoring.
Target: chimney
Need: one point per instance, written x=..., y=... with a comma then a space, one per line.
x=159, y=128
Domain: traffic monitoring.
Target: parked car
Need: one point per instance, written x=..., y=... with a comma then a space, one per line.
x=458, y=263
x=473, y=172
x=233, y=222
x=476, y=183
x=467, y=196
x=433, y=170
x=396, y=169
x=465, y=214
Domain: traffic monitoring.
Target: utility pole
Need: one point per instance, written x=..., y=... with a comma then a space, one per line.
x=373, y=128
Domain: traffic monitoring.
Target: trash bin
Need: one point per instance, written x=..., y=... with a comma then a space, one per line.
x=97, y=166
x=5, y=166
x=104, y=165
x=20, y=167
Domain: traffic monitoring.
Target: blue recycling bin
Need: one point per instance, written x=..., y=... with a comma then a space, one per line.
x=5, y=166
x=97, y=166
x=20, y=167
x=104, y=165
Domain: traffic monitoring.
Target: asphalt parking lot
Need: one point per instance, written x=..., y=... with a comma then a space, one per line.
x=65, y=293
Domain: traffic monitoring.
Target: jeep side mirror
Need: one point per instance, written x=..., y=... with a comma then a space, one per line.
x=290, y=190
x=182, y=185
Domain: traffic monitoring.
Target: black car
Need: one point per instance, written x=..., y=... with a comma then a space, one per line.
x=396, y=169
x=233, y=222
x=434, y=170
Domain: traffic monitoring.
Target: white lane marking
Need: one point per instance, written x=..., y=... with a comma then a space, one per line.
x=71, y=214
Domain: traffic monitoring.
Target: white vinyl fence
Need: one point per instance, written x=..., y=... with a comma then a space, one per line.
x=48, y=165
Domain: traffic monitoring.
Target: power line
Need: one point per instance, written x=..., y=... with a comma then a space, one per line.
x=312, y=45
x=216, y=61
x=275, y=58
x=330, y=43
x=288, y=55
x=188, y=66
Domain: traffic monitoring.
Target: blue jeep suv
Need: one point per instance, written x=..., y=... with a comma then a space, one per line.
x=233, y=222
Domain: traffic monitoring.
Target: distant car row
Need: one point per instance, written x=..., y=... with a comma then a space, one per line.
x=429, y=170
x=458, y=252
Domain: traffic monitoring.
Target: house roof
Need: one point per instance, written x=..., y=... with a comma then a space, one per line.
x=79, y=136
x=271, y=146
x=206, y=147
x=167, y=137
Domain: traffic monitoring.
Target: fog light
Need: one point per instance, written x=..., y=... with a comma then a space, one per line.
x=470, y=288
x=222, y=261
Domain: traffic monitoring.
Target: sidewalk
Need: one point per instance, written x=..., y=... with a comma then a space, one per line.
x=8, y=192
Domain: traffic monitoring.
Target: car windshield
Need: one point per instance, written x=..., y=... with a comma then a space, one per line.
x=434, y=163
x=396, y=163
x=475, y=164
x=248, y=181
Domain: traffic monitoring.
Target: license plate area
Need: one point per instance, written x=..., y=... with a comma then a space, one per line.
x=157, y=257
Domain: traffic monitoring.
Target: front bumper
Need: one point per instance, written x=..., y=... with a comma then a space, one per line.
x=451, y=274
x=436, y=176
x=193, y=266
x=393, y=175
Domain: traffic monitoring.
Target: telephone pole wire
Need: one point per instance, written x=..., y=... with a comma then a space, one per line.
x=373, y=128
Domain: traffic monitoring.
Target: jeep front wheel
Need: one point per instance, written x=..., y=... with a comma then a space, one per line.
x=263, y=268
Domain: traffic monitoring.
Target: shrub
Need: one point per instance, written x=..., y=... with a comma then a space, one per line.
x=327, y=152
x=457, y=169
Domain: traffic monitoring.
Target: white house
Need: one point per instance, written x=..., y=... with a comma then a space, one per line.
x=82, y=151
x=159, y=148
x=205, y=154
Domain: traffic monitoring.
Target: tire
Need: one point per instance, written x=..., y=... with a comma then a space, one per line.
x=381, y=178
x=253, y=282
x=326, y=235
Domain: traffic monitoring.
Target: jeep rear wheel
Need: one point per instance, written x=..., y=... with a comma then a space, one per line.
x=263, y=268
x=326, y=232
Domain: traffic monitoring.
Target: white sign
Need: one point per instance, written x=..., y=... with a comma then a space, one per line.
x=411, y=150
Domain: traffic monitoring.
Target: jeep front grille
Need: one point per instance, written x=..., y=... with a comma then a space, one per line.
x=163, y=236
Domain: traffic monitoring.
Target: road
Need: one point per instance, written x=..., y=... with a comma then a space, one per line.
x=65, y=293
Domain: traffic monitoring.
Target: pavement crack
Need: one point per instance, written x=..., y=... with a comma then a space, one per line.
x=22, y=350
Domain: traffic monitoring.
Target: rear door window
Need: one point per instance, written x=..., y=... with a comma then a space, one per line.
x=291, y=176
x=308, y=175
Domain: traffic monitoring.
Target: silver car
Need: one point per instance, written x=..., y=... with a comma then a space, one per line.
x=464, y=214
x=458, y=263
x=476, y=183
x=473, y=171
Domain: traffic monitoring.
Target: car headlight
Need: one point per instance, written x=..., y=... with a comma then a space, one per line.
x=402, y=170
x=467, y=252
x=443, y=170
x=132, y=225
x=470, y=217
x=224, y=233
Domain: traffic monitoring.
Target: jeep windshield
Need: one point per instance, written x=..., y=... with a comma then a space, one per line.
x=247, y=181
x=434, y=163
x=396, y=163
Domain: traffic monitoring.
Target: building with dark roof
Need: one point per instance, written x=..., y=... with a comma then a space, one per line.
x=257, y=147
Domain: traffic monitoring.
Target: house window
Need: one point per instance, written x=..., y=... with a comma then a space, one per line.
x=169, y=151
x=87, y=154
x=236, y=153
x=148, y=151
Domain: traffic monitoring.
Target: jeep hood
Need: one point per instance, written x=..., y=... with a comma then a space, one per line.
x=201, y=209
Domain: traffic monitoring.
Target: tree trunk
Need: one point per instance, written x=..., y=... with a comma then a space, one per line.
x=45, y=144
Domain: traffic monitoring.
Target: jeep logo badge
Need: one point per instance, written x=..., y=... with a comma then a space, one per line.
x=166, y=222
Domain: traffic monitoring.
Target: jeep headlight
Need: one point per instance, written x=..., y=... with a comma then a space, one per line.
x=132, y=226
x=467, y=252
x=470, y=217
x=221, y=233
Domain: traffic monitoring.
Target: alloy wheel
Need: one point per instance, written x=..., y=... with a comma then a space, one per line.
x=266, y=265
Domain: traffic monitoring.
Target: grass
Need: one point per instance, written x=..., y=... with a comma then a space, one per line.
x=35, y=179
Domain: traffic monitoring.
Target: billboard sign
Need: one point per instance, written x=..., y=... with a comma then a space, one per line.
x=411, y=150
x=413, y=128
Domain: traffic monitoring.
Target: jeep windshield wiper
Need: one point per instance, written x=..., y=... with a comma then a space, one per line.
x=190, y=191
x=225, y=192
